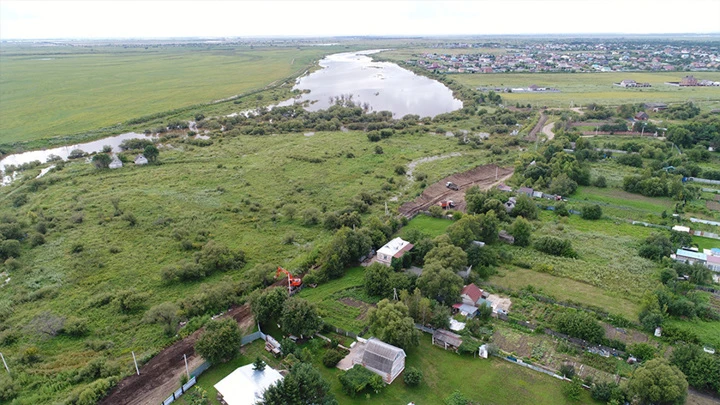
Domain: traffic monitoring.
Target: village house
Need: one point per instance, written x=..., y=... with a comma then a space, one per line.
x=628, y=83
x=381, y=358
x=471, y=295
x=688, y=81
x=245, y=386
x=395, y=249
x=525, y=190
x=690, y=256
x=446, y=339
x=641, y=116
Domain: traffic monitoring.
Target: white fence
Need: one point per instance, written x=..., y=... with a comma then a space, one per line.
x=177, y=394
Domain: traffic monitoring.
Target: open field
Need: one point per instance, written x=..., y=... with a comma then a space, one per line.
x=46, y=93
x=224, y=192
x=585, y=88
x=708, y=332
x=566, y=289
x=607, y=257
x=616, y=198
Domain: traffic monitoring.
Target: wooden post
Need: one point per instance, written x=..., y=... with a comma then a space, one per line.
x=187, y=371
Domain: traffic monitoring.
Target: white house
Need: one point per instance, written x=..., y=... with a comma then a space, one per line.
x=381, y=358
x=395, y=249
x=245, y=386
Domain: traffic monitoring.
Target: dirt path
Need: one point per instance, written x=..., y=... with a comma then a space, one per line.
x=547, y=130
x=482, y=176
x=533, y=133
x=161, y=375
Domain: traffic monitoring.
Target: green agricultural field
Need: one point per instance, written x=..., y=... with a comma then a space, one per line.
x=583, y=88
x=236, y=192
x=45, y=92
x=428, y=225
x=708, y=332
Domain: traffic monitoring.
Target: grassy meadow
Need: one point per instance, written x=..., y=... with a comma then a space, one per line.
x=235, y=192
x=47, y=92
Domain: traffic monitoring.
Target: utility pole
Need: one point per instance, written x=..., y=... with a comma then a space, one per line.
x=187, y=371
x=4, y=363
x=136, y=366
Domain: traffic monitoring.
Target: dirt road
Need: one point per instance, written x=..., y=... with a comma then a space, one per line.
x=161, y=375
x=481, y=176
x=547, y=130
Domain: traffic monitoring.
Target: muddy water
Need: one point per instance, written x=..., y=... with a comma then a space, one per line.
x=383, y=86
x=64, y=151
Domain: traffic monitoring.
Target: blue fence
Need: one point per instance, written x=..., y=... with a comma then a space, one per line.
x=177, y=394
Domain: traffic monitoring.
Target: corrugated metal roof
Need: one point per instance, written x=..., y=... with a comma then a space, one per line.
x=448, y=337
x=380, y=355
x=691, y=254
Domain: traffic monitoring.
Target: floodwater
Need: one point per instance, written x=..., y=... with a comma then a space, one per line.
x=64, y=151
x=384, y=86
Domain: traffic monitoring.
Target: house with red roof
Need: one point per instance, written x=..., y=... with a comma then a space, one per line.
x=471, y=295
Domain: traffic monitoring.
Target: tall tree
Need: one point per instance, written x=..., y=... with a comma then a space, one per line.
x=303, y=385
x=299, y=317
x=267, y=305
x=657, y=382
x=440, y=283
x=391, y=323
x=151, y=153
x=220, y=342
x=521, y=230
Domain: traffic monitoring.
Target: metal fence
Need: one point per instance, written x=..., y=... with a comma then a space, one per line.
x=252, y=337
x=177, y=394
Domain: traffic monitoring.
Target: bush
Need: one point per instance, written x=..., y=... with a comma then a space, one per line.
x=75, y=327
x=600, y=182
x=567, y=370
x=220, y=342
x=412, y=377
x=332, y=358
x=358, y=379
x=554, y=246
x=581, y=325
x=591, y=212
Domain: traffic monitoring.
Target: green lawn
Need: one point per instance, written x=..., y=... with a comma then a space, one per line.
x=706, y=243
x=428, y=225
x=88, y=88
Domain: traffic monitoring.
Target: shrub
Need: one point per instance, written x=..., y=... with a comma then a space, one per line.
x=600, y=182
x=567, y=370
x=400, y=170
x=554, y=246
x=75, y=327
x=332, y=358
x=591, y=212
x=220, y=342
x=358, y=379
x=412, y=377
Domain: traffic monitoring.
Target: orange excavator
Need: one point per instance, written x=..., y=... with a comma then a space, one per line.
x=293, y=282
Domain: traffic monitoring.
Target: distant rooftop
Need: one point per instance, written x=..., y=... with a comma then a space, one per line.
x=396, y=248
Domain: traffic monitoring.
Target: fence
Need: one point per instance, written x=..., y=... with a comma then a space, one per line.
x=703, y=221
x=252, y=337
x=344, y=332
x=517, y=361
x=705, y=234
x=424, y=328
x=706, y=181
x=592, y=348
x=177, y=394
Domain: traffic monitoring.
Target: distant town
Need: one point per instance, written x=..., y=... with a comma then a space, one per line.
x=572, y=57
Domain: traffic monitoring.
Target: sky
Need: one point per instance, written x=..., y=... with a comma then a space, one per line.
x=177, y=18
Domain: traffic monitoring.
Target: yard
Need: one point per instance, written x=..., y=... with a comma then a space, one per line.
x=430, y=226
x=491, y=381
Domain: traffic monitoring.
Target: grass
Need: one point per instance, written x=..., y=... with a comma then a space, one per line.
x=428, y=225
x=85, y=89
x=443, y=373
x=334, y=312
x=617, y=198
x=708, y=332
x=566, y=289
x=607, y=258
x=233, y=192
x=706, y=243
x=584, y=88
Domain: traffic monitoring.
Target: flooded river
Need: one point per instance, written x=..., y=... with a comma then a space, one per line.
x=384, y=86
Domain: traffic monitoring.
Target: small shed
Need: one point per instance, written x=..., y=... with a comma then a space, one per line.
x=641, y=116
x=383, y=359
x=446, y=339
x=526, y=190
x=141, y=160
x=116, y=163
x=395, y=249
x=466, y=310
x=505, y=188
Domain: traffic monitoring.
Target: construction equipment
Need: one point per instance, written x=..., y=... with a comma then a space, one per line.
x=293, y=282
x=446, y=204
x=451, y=186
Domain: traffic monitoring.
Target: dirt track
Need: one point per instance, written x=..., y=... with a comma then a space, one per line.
x=482, y=176
x=161, y=375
